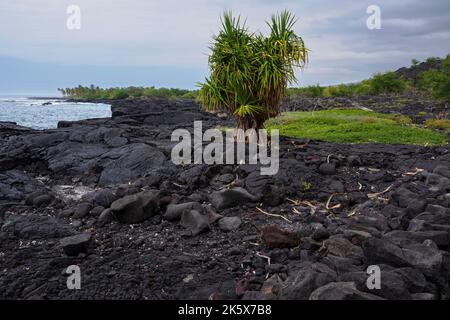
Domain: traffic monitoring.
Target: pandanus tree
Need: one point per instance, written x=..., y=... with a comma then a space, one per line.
x=250, y=72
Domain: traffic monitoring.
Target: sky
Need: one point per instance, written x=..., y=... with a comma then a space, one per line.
x=165, y=43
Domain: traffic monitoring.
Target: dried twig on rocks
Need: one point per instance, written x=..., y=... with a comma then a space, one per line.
x=231, y=183
x=327, y=206
x=259, y=254
x=377, y=194
x=178, y=185
x=273, y=215
x=413, y=173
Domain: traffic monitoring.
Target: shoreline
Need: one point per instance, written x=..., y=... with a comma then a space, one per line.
x=104, y=195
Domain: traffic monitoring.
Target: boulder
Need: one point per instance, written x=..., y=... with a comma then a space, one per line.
x=274, y=237
x=42, y=200
x=300, y=285
x=403, y=197
x=106, y=216
x=342, y=247
x=229, y=223
x=424, y=258
x=327, y=168
x=341, y=291
x=82, y=210
x=194, y=221
x=174, y=211
x=441, y=238
x=392, y=285
x=228, y=198
x=136, y=208
x=76, y=244
x=35, y=227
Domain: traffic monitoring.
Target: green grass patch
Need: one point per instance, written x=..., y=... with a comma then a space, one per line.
x=354, y=126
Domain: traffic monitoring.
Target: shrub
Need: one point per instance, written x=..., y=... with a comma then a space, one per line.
x=440, y=124
x=437, y=82
x=388, y=82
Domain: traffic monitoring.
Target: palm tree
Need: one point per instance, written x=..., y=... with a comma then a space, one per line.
x=249, y=71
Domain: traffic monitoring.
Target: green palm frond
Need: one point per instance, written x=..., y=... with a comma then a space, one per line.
x=248, y=110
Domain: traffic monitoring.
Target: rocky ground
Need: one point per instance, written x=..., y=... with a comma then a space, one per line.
x=103, y=194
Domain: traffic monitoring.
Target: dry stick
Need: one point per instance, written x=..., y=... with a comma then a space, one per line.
x=178, y=185
x=295, y=202
x=414, y=173
x=263, y=256
x=231, y=183
x=327, y=206
x=374, y=195
x=273, y=215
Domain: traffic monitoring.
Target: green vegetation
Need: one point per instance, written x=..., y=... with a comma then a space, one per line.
x=354, y=126
x=95, y=93
x=437, y=82
x=440, y=124
x=249, y=71
x=306, y=186
x=388, y=82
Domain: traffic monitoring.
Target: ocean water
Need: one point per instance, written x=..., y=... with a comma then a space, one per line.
x=33, y=113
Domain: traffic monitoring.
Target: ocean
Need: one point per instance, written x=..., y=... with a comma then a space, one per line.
x=44, y=113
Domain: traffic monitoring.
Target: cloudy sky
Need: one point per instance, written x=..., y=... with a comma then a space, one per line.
x=165, y=42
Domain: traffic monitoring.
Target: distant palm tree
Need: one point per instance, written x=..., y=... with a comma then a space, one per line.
x=250, y=72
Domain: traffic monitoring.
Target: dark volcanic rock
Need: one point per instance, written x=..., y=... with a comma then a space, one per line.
x=230, y=223
x=82, y=210
x=341, y=291
x=301, y=284
x=274, y=237
x=76, y=244
x=194, y=221
x=136, y=208
x=228, y=198
x=129, y=162
x=390, y=207
x=174, y=211
x=35, y=227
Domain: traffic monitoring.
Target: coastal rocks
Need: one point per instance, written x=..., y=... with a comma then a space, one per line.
x=194, y=221
x=403, y=197
x=76, y=244
x=342, y=247
x=264, y=189
x=42, y=200
x=441, y=238
x=425, y=258
x=300, y=285
x=82, y=210
x=341, y=291
x=327, y=168
x=229, y=223
x=322, y=252
x=106, y=216
x=35, y=227
x=274, y=237
x=129, y=162
x=174, y=211
x=228, y=198
x=136, y=208
x=392, y=285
